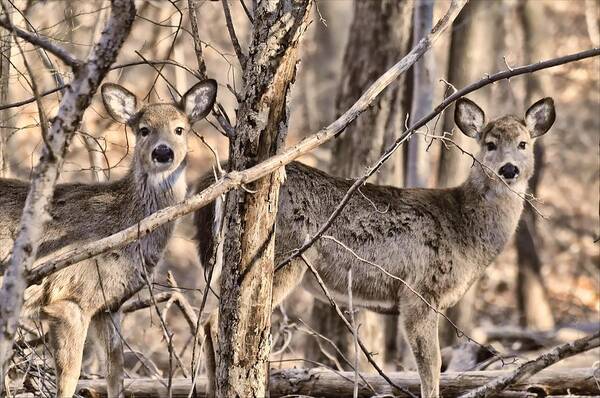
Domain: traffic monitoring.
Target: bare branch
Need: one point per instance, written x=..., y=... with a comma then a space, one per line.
x=354, y=333
x=232, y=35
x=42, y=42
x=193, y=11
x=532, y=367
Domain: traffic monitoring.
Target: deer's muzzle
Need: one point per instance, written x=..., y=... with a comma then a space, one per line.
x=163, y=154
x=509, y=171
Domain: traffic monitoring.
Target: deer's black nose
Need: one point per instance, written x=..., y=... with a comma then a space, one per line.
x=162, y=154
x=509, y=171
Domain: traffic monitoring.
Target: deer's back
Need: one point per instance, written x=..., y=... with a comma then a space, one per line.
x=414, y=234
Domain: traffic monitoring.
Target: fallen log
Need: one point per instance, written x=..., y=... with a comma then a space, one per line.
x=319, y=382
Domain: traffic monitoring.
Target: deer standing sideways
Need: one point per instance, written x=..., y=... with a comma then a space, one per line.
x=88, y=295
x=439, y=241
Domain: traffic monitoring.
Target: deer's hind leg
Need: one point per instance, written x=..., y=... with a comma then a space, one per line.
x=211, y=344
x=68, y=326
x=108, y=328
x=421, y=329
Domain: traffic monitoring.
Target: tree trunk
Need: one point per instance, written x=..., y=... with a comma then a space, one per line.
x=247, y=277
x=379, y=34
x=473, y=53
x=534, y=310
x=5, y=45
x=417, y=162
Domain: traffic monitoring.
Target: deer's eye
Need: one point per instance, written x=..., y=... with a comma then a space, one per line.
x=144, y=131
x=490, y=146
x=522, y=145
x=179, y=130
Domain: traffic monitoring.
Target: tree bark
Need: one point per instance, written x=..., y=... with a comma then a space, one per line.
x=417, y=167
x=380, y=32
x=532, y=300
x=473, y=53
x=248, y=254
x=319, y=382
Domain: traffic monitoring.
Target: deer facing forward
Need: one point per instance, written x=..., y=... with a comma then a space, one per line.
x=88, y=295
x=439, y=241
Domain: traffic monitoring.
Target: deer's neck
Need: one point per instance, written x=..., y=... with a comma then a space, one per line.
x=491, y=211
x=154, y=192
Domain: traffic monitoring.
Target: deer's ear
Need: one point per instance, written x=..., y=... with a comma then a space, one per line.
x=120, y=103
x=540, y=117
x=199, y=100
x=469, y=118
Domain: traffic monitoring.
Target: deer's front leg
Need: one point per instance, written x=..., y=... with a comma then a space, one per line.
x=421, y=328
x=108, y=327
x=68, y=326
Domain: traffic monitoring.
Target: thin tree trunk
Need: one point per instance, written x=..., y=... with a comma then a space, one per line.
x=417, y=167
x=534, y=309
x=380, y=32
x=248, y=254
x=5, y=46
x=473, y=53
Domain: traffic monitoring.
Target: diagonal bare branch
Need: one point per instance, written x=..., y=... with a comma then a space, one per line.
x=234, y=179
x=530, y=368
x=43, y=42
x=234, y=40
